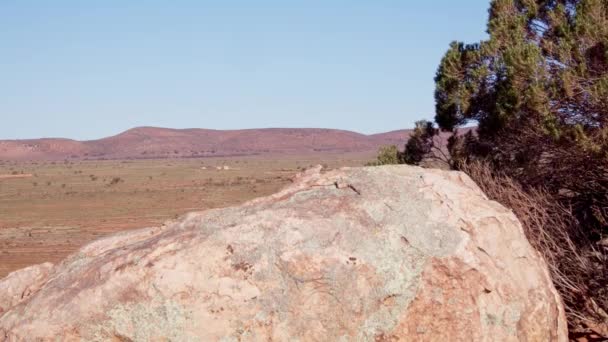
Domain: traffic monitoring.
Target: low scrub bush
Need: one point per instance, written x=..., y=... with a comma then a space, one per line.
x=387, y=155
x=115, y=181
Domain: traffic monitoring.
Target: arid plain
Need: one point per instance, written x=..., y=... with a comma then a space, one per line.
x=50, y=208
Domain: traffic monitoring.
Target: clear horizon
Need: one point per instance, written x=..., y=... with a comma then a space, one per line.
x=89, y=70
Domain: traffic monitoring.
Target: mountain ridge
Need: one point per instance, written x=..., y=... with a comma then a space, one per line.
x=157, y=142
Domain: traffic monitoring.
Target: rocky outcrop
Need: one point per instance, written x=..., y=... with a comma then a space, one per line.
x=363, y=254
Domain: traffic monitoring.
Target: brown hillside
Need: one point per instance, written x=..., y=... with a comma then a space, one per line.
x=152, y=142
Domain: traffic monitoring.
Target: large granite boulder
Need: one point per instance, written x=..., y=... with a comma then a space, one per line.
x=357, y=254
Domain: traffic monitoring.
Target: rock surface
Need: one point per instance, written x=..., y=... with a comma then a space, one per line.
x=358, y=254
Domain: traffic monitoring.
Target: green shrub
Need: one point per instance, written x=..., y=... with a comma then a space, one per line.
x=387, y=155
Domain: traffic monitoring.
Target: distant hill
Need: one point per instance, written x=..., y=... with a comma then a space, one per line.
x=154, y=142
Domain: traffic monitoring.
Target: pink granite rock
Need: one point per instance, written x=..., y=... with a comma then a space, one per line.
x=357, y=254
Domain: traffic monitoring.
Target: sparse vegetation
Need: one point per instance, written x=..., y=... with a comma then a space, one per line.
x=133, y=203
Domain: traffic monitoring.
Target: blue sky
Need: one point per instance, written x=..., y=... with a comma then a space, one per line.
x=89, y=69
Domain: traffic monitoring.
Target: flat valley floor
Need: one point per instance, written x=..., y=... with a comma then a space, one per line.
x=50, y=209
